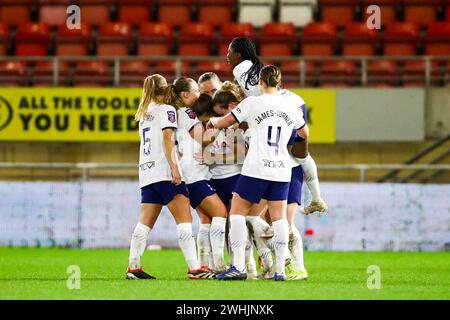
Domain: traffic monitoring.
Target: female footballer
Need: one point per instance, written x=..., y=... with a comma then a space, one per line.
x=160, y=180
x=266, y=173
x=191, y=136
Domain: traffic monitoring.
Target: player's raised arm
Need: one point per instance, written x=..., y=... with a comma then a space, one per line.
x=237, y=115
x=221, y=122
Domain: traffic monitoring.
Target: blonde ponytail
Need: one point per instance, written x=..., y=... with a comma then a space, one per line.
x=172, y=94
x=152, y=91
x=171, y=98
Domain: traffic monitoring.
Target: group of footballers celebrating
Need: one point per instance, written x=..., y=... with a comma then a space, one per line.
x=237, y=153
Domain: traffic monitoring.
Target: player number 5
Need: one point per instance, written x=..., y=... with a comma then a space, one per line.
x=145, y=141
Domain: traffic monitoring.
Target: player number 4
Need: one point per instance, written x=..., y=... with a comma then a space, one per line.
x=275, y=143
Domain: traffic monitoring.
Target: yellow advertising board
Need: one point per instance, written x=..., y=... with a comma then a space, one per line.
x=107, y=114
x=68, y=114
x=321, y=108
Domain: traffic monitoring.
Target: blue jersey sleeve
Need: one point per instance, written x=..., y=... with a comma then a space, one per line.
x=305, y=113
x=293, y=138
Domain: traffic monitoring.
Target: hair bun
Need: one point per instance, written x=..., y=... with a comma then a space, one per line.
x=227, y=86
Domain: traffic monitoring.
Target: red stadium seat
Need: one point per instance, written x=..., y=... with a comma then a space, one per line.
x=32, y=39
x=168, y=69
x=133, y=73
x=113, y=39
x=231, y=31
x=95, y=12
x=382, y=73
x=319, y=39
x=216, y=12
x=155, y=39
x=422, y=12
x=195, y=39
x=92, y=74
x=437, y=39
x=388, y=9
x=4, y=39
x=447, y=10
x=43, y=74
x=338, y=12
x=53, y=12
x=358, y=40
x=414, y=73
x=221, y=68
x=135, y=12
x=176, y=12
x=338, y=74
x=73, y=42
x=13, y=73
x=15, y=12
x=401, y=38
x=277, y=39
x=291, y=71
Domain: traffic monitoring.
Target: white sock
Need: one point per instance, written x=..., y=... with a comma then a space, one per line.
x=230, y=250
x=296, y=247
x=250, y=263
x=238, y=239
x=138, y=244
x=259, y=226
x=217, y=236
x=281, y=231
x=310, y=175
x=204, y=245
x=187, y=245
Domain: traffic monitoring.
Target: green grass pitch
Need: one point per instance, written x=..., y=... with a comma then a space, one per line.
x=42, y=274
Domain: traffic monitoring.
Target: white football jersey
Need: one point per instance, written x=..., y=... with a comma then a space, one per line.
x=299, y=102
x=153, y=165
x=193, y=171
x=271, y=119
x=224, y=144
x=295, y=98
x=240, y=75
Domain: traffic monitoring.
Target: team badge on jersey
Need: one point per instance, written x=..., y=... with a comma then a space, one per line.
x=191, y=113
x=171, y=116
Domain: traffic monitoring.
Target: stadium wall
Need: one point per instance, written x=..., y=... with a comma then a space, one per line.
x=371, y=115
x=437, y=112
x=362, y=217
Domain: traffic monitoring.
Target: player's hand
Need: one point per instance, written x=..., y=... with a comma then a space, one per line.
x=176, y=176
x=210, y=134
x=212, y=123
x=204, y=158
x=199, y=157
x=209, y=125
